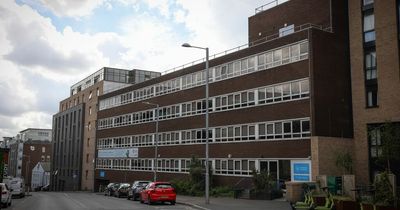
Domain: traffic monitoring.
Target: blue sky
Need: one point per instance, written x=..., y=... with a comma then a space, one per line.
x=48, y=45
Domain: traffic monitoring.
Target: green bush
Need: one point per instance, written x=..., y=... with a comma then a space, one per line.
x=181, y=186
x=222, y=191
x=383, y=190
x=263, y=181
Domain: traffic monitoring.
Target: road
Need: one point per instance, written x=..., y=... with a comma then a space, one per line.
x=83, y=201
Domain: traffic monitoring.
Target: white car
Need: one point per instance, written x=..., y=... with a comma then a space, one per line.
x=18, y=187
x=5, y=195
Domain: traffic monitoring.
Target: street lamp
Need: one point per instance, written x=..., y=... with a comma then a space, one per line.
x=156, y=139
x=207, y=167
x=26, y=170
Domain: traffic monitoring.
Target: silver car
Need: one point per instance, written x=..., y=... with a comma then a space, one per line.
x=136, y=188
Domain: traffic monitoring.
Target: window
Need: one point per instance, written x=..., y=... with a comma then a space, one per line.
x=372, y=96
x=90, y=95
x=368, y=2
x=90, y=110
x=369, y=27
x=97, y=92
x=374, y=135
x=370, y=65
x=43, y=149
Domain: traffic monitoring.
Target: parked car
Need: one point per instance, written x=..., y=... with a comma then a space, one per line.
x=5, y=195
x=136, y=188
x=122, y=190
x=111, y=188
x=158, y=192
x=18, y=187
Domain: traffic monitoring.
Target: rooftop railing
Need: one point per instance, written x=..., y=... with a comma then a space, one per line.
x=269, y=5
x=251, y=44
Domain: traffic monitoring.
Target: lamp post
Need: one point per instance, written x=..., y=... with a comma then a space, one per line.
x=207, y=137
x=26, y=170
x=155, y=140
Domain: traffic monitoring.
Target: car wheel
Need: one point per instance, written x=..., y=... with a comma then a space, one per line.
x=173, y=202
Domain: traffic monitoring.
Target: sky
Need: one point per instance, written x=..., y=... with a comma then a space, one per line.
x=46, y=46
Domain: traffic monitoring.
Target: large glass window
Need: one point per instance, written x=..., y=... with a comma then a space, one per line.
x=370, y=65
x=369, y=27
x=372, y=96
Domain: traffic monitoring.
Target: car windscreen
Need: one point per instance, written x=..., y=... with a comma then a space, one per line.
x=143, y=184
x=163, y=186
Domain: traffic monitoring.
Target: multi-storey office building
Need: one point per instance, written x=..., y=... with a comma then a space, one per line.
x=78, y=115
x=282, y=102
x=375, y=74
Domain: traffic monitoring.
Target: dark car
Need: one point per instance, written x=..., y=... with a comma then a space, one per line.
x=136, y=188
x=111, y=188
x=122, y=190
x=158, y=192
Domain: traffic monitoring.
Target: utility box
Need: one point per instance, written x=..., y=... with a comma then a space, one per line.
x=334, y=184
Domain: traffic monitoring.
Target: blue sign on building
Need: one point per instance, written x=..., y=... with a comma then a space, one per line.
x=102, y=174
x=301, y=168
x=301, y=171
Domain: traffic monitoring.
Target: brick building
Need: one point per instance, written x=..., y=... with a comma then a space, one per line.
x=29, y=147
x=375, y=75
x=74, y=126
x=283, y=101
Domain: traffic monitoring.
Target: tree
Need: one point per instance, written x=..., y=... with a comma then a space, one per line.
x=197, y=175
x=345, y=162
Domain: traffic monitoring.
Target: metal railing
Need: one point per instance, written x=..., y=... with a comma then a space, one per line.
x=269, y=5
x=263, y=40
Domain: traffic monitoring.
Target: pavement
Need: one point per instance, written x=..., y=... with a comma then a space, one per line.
x=222, y=203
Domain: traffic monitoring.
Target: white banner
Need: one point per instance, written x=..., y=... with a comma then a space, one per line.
x=118, y=153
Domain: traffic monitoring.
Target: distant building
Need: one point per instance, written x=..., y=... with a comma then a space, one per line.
x=5, y=142
x=26, y=150
x=35, y=134
x=74, y=126
x=40, y=175
x=4, y=153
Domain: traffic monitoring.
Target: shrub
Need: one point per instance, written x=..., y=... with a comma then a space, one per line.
x=383, y=190
x=222, y=191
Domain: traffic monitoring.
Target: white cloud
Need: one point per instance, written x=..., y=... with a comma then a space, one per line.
x=72, y=8
x=33, y=51
x=161, y=5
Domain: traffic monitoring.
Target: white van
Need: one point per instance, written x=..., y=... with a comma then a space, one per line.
x=18, y=187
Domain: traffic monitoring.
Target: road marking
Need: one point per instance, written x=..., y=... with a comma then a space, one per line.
x=75, y=201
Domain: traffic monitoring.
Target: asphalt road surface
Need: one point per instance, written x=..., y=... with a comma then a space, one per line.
x=83, y=201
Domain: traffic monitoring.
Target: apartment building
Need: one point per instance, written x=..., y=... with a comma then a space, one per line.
x=282, y=104
x=375, y=75
x=74, y=126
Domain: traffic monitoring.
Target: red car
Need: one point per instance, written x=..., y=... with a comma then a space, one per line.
x=158, y=192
